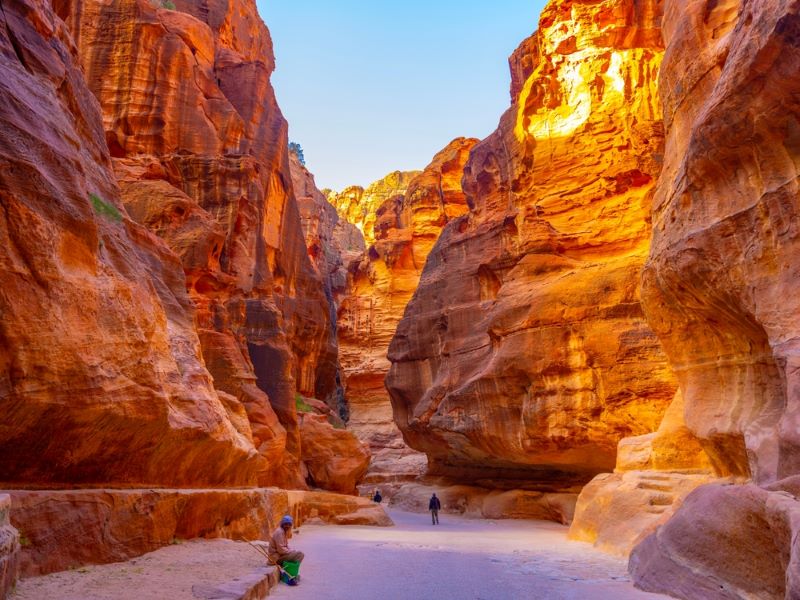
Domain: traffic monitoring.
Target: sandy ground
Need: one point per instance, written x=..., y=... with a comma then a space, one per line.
x=458, y=559
x=206, y=570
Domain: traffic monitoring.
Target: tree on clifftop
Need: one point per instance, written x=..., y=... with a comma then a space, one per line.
x=297, y=149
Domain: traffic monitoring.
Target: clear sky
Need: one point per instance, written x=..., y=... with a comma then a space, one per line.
x=370, y=86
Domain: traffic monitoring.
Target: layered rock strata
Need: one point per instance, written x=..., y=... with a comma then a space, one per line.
x=101, y=375
x=65, y=529
x=720, y=291
x=200, y=149
x=524, y=352
x=484, y=503
x=720, y=280
x=654, y=474
x=360, y=206
x=9, y=549
x=336, y=509
x=379, y=286
x=726, y=542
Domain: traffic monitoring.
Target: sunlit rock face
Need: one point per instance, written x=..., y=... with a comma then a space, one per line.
x=405, y=228
x=101, y=374
x=359, y=206
x=654, y=474
x=524, y=352
x=200, y=148
x=720, y=289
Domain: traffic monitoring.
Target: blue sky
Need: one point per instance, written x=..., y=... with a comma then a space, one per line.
x=373, y=86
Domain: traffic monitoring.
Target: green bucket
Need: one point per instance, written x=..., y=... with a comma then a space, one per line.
x=292, y=569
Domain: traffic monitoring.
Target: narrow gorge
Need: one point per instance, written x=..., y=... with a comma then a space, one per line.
x=589, y=317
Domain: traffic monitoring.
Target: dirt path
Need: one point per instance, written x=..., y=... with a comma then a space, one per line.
x=459, y=559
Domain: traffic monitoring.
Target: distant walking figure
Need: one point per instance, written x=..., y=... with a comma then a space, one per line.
x=377, y=497
x=434, y=506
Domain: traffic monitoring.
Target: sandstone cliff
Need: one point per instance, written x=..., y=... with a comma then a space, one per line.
x=524, y=352
x=404, y=228
x=720, y=291
x=200, y=149
x=101, y=376
x=359, y=206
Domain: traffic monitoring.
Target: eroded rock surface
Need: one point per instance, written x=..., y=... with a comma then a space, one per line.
x=726, y=542
x=337, y=509
x=524, y=349
x=64, y=529
x=719, y=288
x=380, y=284
x=200, y=149
x=720, y=291
x=360, y=206
x=654, y=473
x=98, y=351
x=9, y=549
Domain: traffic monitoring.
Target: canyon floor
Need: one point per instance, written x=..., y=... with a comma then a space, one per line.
x=458, y=559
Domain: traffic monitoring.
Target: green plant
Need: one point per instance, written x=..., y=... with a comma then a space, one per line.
x=105, y=209
x=301, y=404
x=168, y=4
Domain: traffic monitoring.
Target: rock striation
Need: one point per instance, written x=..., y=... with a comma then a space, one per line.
x=654, y=474
x=200, y=150
x=380, y=283
x=9, y=549
x=720, y=291
x=99, y=356
x=524, y=352
x=69, y=528
x=359, y=206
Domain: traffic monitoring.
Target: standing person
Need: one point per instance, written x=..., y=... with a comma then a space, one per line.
x=434, y=506
x=377, y=497
x=279, y=551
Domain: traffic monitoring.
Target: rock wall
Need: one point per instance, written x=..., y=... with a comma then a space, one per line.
x=524, y=352
x=70, y=528
x=654, y=474
x=380, y=284
x=360, y=206
x=9, y=549
x=99, y=355
x=720, y=291
x=720, y=280
x=200, y=149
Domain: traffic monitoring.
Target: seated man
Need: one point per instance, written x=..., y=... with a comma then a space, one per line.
x=279, y=551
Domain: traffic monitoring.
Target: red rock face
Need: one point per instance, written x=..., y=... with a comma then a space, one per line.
x=720, y=291
x=720, y=284
x=524, y=352
x=200, y=149
x=9, y=549
x=99, y=357
x=382, y=280
x=65, y=529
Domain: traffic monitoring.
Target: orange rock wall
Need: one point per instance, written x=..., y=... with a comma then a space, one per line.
x=70, y=528
x=380, y=284
x=720, y=283
x=200, y=149
x=99, y=355
x=524, y=352
x=359, y=206
x=720, y=290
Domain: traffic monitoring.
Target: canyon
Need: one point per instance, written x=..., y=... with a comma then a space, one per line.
x=588, y=317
